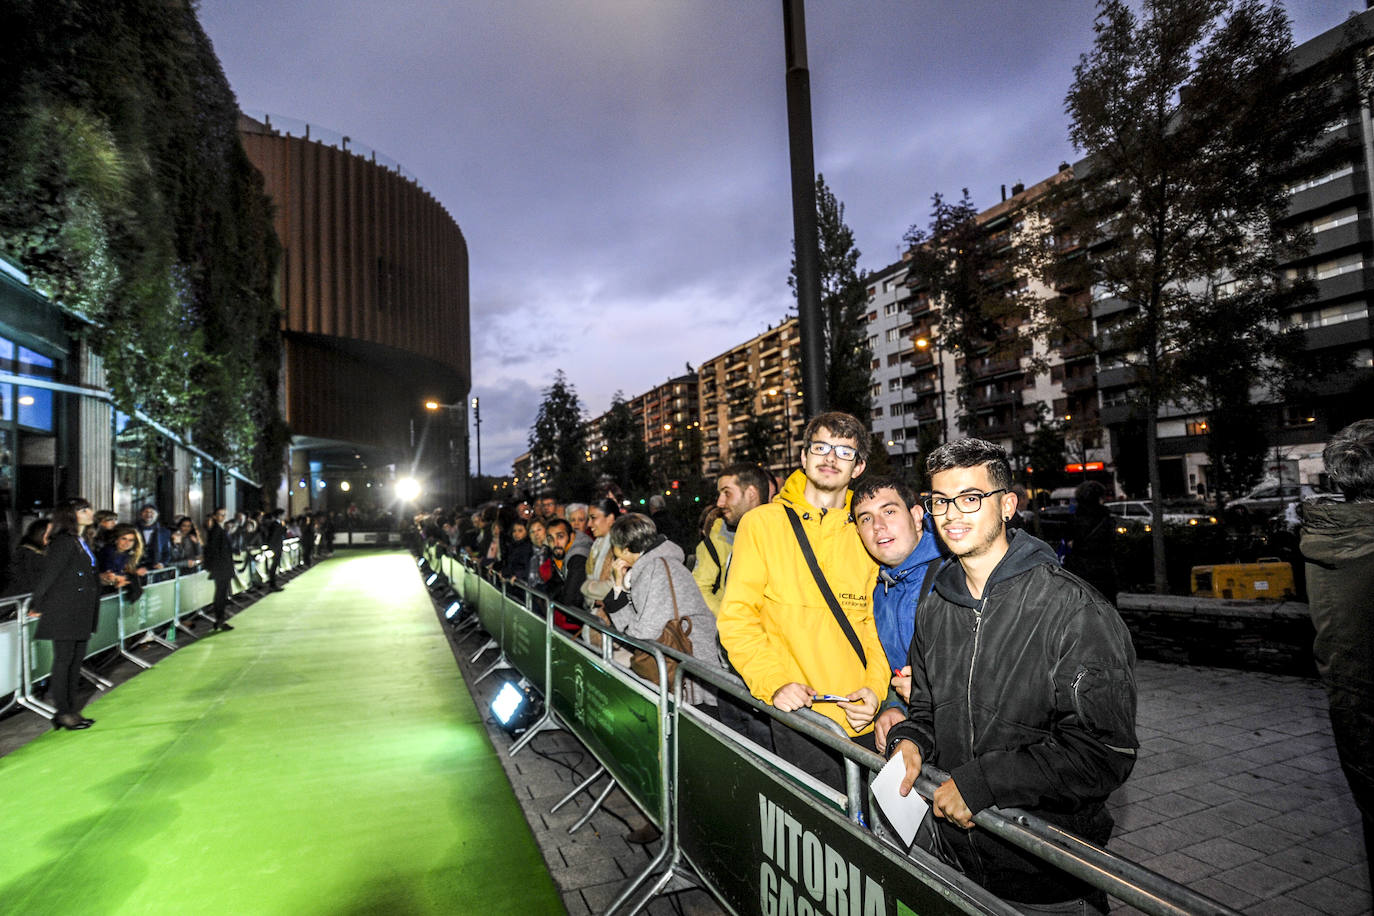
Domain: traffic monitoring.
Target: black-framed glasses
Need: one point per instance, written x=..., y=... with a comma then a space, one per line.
x=967, y=503
x=842, y=452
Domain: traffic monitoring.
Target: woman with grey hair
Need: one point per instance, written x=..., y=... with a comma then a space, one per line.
x=650, y=584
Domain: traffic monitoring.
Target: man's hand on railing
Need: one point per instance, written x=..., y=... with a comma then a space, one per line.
x=911, y=759
x=886, y=719
x=949, y=804
x=793, y=696
x=860, y=709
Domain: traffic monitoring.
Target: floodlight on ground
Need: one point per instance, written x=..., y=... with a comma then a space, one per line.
x=515, y=707
x=454, y=608
x=408, y=489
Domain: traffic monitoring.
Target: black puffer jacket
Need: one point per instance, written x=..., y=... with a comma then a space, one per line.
x=1027, y=697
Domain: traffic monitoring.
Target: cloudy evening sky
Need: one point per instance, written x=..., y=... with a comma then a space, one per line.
x=619, y=168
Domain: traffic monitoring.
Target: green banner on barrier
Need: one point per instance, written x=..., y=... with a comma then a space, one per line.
x=40, y=654
x=522, y=638
x=769, y=847
x=197, y=591
x=489, y=608
x=617, y=720
x=156, y=606
x=106, y=634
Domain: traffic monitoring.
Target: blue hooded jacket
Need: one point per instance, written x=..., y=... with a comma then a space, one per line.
x=895, y=596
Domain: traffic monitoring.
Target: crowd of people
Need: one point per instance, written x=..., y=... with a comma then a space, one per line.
x=67, y=561
x=930, y=629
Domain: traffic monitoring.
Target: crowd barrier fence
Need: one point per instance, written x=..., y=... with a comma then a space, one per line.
x=170, y=596
x=759, y=834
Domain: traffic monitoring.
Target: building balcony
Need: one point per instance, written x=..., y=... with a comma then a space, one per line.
x=1341, y=286
x=1339, y=190
x=1080, y=382
x=1337, y=335
x=1109, y=305
x=1350, y=236
x=978, y=400
x=996, y=367
x=1116, y=377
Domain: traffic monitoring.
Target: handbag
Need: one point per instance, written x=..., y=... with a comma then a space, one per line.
x=676, y=635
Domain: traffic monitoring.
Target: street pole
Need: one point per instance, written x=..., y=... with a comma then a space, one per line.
x=477, y=418
x=804, y=239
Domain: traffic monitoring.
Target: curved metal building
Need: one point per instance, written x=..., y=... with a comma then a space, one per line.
x=373, y=285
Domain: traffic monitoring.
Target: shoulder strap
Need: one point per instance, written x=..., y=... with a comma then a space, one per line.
x=715, y=558
x=829, y=596
x=668, y=571
x=928, y=580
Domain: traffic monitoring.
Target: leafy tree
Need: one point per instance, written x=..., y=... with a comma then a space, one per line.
x=843, y=303
x=127, y=197
x=960, y=266
x=625, y=461
x=1190, y=122
x=558, y=437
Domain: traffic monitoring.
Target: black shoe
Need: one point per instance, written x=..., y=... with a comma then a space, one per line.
x=276, y=588
x=87, y=721
x=221, y=626
x=71, y=722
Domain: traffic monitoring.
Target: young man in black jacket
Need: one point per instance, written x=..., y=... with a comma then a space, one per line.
x=1021, y=688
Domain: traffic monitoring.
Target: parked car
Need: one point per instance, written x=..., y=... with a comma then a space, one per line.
x=1190, y=513
x=1271, y=497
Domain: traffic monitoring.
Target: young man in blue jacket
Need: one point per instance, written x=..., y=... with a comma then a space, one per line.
x=891, y=525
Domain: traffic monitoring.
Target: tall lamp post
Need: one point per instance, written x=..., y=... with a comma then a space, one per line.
x=477, y=419
x=786, y=394
x=925, y=343
x=432, y=405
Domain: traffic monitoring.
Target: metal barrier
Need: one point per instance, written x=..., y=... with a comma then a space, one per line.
x=169, y=597
x=758, y=833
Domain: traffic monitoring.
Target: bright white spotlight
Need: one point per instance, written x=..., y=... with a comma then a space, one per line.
x=408, y=489
x=345, y=486
x=430, y=580
x=452, y=609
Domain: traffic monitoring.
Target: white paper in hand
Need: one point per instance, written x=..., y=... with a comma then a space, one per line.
x=904, y=814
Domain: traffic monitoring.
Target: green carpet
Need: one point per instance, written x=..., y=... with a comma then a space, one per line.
x=324, y=757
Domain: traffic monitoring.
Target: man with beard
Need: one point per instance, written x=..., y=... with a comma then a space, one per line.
x=1022, y=688
x=569, y=571
x=739, y=488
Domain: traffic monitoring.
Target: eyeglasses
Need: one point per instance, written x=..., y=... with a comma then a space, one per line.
x=842, y=452
x=967, y=503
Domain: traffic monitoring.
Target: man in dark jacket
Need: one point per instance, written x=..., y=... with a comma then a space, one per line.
x=1338, y=543
x=157, y=540
x=219, y=563
x=273, y=533
x=1021, y=687
x=569, y=572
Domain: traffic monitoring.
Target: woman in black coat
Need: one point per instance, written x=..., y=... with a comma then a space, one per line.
x=219, y=563
x=67, y=596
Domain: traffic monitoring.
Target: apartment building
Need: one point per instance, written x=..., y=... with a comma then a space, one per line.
x=669, y=416
x=759, y=379
x=1333, y=200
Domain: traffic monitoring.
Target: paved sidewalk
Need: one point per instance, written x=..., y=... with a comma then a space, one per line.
x=1238, y=793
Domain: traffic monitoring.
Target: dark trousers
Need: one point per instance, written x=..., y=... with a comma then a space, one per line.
x=272, y=565
x=66, y=674
x=221, y=599
x=810, y=757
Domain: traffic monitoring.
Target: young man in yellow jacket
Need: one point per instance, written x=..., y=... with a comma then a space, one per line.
x=775, y=621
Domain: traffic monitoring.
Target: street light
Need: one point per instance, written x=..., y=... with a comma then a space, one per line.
x=786, y=394
x=923, y=343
